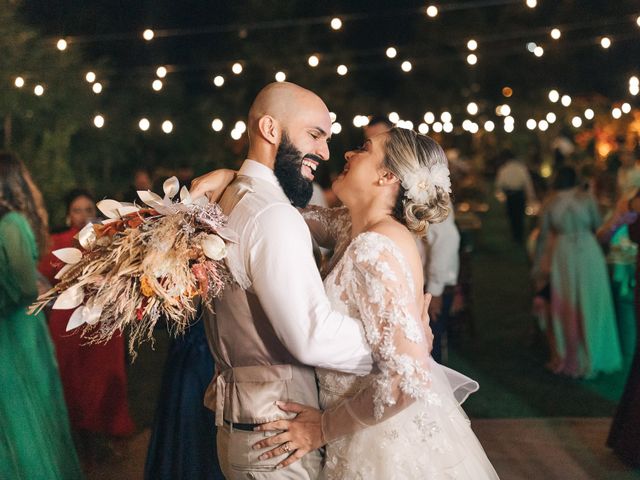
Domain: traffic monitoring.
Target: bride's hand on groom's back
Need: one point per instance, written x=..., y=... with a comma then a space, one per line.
x=299, y=436
x=426, y=319
x=212, y=184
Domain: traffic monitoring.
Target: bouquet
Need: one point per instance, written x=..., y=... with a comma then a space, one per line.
x=143, y=264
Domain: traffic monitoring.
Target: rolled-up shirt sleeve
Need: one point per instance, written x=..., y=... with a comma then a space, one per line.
x=284, y=276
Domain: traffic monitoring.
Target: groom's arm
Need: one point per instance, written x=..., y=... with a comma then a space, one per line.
x=286, y=280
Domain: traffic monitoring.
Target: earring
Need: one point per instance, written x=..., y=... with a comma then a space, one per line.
x=380, y=181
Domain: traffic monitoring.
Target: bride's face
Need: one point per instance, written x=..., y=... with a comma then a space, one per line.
x=363, y=169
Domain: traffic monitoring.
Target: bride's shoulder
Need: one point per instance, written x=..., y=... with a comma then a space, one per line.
x=398, y=234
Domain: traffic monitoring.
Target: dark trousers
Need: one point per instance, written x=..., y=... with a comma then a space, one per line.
x=439, y=327
x=515, y=212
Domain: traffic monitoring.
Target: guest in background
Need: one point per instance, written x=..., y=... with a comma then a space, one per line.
x=624, y=437
x=141, y=181
x=513, y=184
x=583, y=317
x=441, y=263
x=93, y=376
x=183, y=440
x=35, y=439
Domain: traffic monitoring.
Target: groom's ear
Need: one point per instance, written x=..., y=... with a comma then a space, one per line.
x=269, y=129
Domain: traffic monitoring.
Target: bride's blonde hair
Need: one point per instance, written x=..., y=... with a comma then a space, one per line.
x=405, y=153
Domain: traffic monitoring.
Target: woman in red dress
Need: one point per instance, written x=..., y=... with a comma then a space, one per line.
x=93, y=376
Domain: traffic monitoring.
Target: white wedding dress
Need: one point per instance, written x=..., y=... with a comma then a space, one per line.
x=410, y=406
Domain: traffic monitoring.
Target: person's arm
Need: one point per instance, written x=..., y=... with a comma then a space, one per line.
x=327, y=225
x=287, y=282
x=212, y=184
x=21, y=265
x=382, y=293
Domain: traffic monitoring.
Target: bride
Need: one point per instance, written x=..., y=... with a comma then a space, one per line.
x=404, y=421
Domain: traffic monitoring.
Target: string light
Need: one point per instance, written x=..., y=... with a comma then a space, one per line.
x=167, y=126
x=336, y=128
x=144, y=124
x=532, y=3
x=332, y=116
x=423, y=128
x=472, y=108
x=393, y=117
x=161, y=72
x=237, y=68
x=342, y=70
x=556, y=34
x=98, y=121
x=626, y=108
x=508, y=127
x=280, y=76
x=605, y=42
x=157, y=85
x=218, y=80
x=429, y=117
x=489, y=126
x=472, y=59
x=432, y=11
x=589, y=114
x=472, y=45
x=507, y=92
x=216, y=124
x=509, y=119
x=531, y=124
x=551, y=117
x=576, y=122
x=148, y=34
x=445, y=117
x=90, y=77
x=437, y=127
x=538, y=51
x=97, y=88
x=61, y=45
x=360, y=121
x=38, y=90
x=565, y=100
x=336, y=23
x=19, y=82
x=503, y=110
x=448, y=127
x=391, y=52
x=240, y=126
x=235, y=134
x=616, y=113
x=638, y=20
x=313, y=61
x=554, y=96
x=406, y=66
x=543, y=125
x=531, y=46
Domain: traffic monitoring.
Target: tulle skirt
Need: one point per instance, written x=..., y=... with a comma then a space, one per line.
x=432, y=439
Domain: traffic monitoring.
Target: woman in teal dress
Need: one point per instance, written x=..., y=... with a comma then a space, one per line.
x=582, y=310
x=35, y=439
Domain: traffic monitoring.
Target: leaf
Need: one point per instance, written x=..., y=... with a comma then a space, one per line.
x=171, y=186
x=76, y=319
x=70, y=256
x=62, y=271
x=87, y=236
x=185, y=196
x=126, y=210
x=109, y=207
x=150, y=198
x=70, y=298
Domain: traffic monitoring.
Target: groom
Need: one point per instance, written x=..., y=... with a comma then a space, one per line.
x=271, y=328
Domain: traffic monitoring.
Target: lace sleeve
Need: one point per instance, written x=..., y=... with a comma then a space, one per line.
x=381, y=288
x=327, y=225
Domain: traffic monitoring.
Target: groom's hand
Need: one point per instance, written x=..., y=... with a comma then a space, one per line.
x=300, y=435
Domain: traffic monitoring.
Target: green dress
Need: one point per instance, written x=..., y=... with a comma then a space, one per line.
x=35, y=438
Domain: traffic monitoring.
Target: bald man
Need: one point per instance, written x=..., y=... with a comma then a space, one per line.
x=271, y=328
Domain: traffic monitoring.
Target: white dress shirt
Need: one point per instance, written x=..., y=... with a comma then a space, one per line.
x=439, y=253
x=273, y=260
x=514, y=175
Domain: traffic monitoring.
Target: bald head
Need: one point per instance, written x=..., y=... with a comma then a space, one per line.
x=286, y=103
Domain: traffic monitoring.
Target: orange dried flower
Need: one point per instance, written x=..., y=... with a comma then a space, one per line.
x=146, y=287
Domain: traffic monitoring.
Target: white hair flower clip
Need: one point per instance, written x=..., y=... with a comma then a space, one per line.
x=421, y=185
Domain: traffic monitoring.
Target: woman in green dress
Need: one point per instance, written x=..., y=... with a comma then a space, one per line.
x=35, y=439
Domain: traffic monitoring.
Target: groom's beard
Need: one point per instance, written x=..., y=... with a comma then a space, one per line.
x=288, y=171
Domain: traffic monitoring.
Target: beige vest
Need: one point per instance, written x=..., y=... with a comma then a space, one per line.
x=253, y=368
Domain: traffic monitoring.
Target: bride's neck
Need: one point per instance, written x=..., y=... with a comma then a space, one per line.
x=365, y=217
